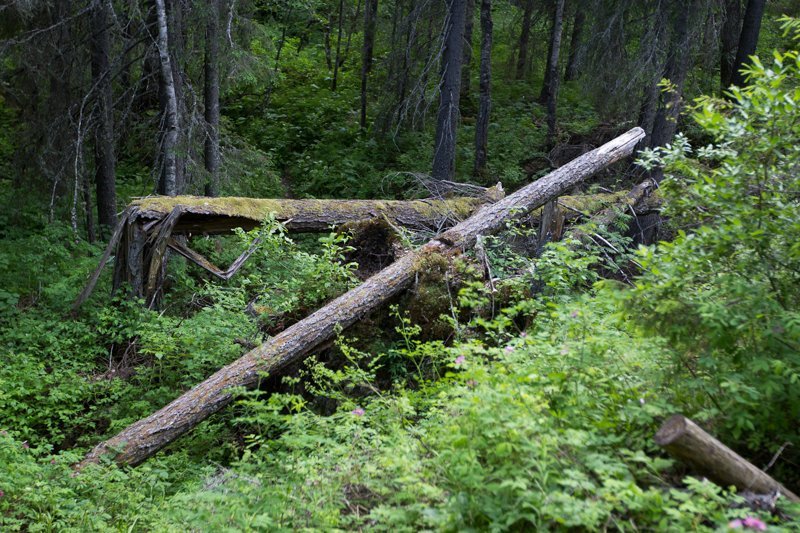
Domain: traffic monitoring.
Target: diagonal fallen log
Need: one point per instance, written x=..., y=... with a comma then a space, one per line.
x=687, y=441
x=145, y=437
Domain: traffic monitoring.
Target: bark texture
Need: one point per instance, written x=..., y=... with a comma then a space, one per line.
x=444, y=150
x=550, y=88
x=104, y=157
x=524, y=39
x=687, y=441
x=145, y=437
x=676, y=71
x=211, y=99
x=748, y=41
x=485, y=89
x=574, y=59
x=729, y=39
x=466, y=62
x=168, y=184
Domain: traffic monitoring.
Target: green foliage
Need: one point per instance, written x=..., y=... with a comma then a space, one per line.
x=726, y=293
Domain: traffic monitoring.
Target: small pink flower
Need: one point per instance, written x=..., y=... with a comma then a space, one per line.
x=460, y=360
x=750, y=522
x=574, y=314
x=472, y=383
x=509, y=349
x=52, y=461
x=523, y=334
x=26, y=445
x=357, y=412
x=2, y=493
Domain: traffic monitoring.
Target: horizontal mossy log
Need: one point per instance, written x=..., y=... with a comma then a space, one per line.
x=144, y=438
x=203, y=215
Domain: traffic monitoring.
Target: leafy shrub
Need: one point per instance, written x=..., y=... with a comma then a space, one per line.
x=726, y=291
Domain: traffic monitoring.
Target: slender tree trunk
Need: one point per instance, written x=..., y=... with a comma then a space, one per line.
x=466, y=63
x=729, y=39
x=485, y=88
x=336, y=61
x=551, y=79
x=524, y=39
x=573, y=62
x=104, y=158
x=168, y=183
x=444, y=151
x=211, y=97
x=327, y=42
x=350, y=32
x=370, y=18
x=751, y=26
x=177, y=44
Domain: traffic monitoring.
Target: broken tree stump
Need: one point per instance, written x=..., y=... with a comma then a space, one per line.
x=688, y=442
x=144, y=438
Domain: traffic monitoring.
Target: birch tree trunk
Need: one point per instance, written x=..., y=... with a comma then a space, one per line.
x=211, y=97
x=145, y=437
x=168, y=184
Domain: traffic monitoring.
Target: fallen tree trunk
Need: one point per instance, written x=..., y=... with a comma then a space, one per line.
x=145, y=437
x=687, y=441
x=148, y=226
x=202, y=215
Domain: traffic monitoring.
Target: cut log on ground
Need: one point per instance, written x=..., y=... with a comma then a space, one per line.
x=145, y=437
x=149, y=226
x=687, y=442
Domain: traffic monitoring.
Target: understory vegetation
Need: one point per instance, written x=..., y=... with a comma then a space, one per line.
x=525, y=402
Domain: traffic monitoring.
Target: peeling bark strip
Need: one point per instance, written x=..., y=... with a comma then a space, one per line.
x=687, y=441
x=145, y=437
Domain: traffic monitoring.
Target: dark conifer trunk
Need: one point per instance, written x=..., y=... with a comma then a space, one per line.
x=549, y=93
x=211, y=99
x=466, y=64
x=104, y=158
x=444, y=151
x=677, y=68
x=573, y=62
x=729, y=39
x=751, y=26
x=524, y=39
x=370, y=18
x=485, y=104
